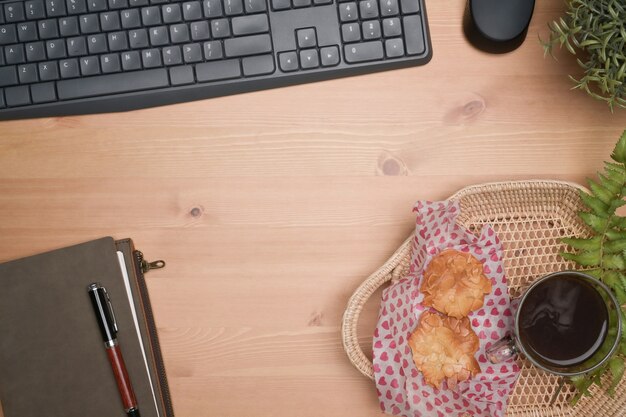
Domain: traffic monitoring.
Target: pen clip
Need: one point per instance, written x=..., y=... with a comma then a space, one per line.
x=111, y=311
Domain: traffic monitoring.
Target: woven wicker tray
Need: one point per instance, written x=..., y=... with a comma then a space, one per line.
x=530, y=217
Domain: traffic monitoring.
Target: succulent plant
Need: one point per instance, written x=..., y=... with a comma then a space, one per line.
x=595, y=32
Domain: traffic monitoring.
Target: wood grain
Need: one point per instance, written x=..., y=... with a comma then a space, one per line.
x=270, y=208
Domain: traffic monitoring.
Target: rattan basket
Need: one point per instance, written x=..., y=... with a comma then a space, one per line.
x=530, y=217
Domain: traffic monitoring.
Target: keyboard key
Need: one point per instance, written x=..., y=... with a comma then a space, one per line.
x=281, y=4
x=138, y=3
x=97, y=44
x=89, y=23
x=232, y=7
x=219, y=70
x=138, y=38
x=56, y=49
x=391, y=27
x=17, y=96
x=118, y=41
x=96, y=5
x=368, y=9
x=76, y=46
x=192, y=10
x=366, y=51
x=159, y=36
x=255, y=6
x=213, y=50
x=43, y=93
x=110, y=21
x=2, y=103
x=27, y=73
x=347, y=12
x=413, y=35
x=110, y=63
x=212, y=8
x=48, y=29
x=27, y=32
x=306, y=38
x=181, y=75
x=179, y=33
x=394, y=47
x=131, y=61
x=89, y=65
x=112, y=84
x=350, y=32
x=220, y=28
x=371, y=29
x=309, y=59
x=69, y=68
x=172, y=56
x=192, y=52
x=35, y=9
x=48, y=71
x=151, y=58
x=320, y=2
x=248, y=25
x=14, y=12
x=258, y=65
x=288, y=61
x=330, y=56
x=118, y=4
x=248, y=45
x=55, y=8
x=76, y=6
x=8, y=34
x=172, y=13
x=1, y=57
x=301, y=3
x=151, y=16
x=410, y=6
x=130, y=19
x=68, y=26
x=14, y=54
x=199, y=30
x=389, y=7
x=35, y=51
x=8, y=76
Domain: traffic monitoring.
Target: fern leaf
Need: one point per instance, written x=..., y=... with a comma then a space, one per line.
x=584, y=258
x=592, y=243
x=594, y=203
x=615, y=204
x=611, y=184
x=596, y=222
x=613, y=261
x=619, y=222
x=612, y=234
x=616, y=365
x=615, y=246
x=619, y=153
x=600, y=192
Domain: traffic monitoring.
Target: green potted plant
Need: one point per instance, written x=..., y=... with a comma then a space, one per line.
x=595, y=32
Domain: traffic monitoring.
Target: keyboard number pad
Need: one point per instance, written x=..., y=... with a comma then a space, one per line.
x=375, y=30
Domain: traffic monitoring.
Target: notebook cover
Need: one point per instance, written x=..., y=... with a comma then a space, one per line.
x=52, y=357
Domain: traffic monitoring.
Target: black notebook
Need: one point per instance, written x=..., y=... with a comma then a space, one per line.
x=52, y=357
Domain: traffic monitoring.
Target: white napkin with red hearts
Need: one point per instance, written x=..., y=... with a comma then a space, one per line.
x=401, y=387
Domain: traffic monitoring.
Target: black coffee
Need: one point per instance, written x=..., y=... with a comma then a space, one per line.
x=563, y=321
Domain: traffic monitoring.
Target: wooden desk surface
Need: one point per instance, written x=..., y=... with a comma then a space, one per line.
x=270, y=208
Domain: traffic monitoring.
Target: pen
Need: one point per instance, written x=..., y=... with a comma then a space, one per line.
x=108, y=326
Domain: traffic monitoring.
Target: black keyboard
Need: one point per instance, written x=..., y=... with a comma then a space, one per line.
x=64, y=57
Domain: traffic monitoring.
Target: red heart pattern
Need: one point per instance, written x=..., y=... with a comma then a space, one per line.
x=401, y=388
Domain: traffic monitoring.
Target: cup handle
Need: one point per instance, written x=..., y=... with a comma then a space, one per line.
x=502, y=350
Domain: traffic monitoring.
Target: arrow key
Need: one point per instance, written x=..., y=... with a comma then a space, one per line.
x=309, y=59
x=330, y=56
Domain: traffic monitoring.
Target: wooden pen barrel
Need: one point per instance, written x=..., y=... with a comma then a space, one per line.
x=121, y=377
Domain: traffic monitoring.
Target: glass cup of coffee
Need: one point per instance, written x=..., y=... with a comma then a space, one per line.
x=567, y=323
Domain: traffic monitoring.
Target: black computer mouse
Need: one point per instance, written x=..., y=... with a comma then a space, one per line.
x=497, y=26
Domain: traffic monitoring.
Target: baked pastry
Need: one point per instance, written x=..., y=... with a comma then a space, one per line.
x=444, y=348
x=454, y=283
